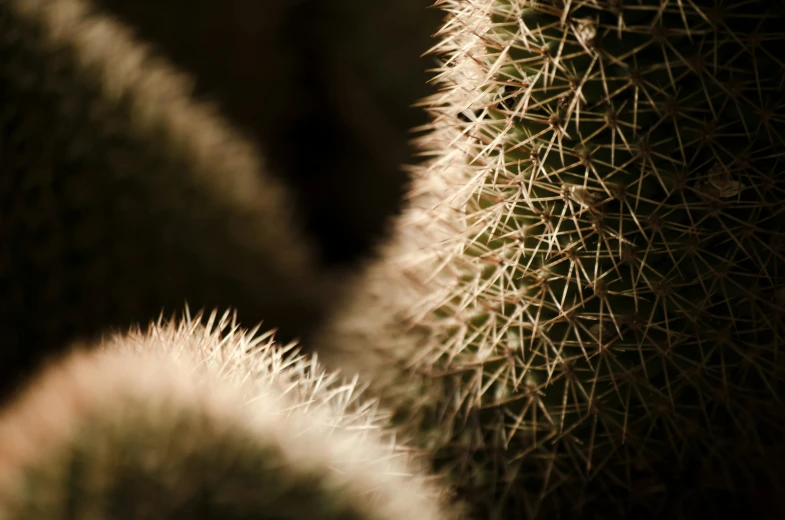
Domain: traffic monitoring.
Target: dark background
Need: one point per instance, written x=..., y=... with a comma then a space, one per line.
x=325, y=87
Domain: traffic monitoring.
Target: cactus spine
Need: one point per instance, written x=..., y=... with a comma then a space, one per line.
x=602, y=324
x=194, y=422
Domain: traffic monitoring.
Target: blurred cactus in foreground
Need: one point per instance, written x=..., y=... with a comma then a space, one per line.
x=190, y=422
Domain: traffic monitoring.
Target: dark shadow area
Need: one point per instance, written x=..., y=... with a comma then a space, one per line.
x=324, y=86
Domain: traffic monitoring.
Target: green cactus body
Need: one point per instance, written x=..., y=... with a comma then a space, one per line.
x=191, y=422
x=606, y=336
x=121, y=195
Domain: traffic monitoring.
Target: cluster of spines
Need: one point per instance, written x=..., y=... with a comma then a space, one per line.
x=606, y=316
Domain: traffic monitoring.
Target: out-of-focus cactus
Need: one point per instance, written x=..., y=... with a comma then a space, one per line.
x=120, y=195
x=192, y=422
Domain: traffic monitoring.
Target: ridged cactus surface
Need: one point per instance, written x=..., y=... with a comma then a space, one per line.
x=599, y=327
x=193, y=422
x=121, y=194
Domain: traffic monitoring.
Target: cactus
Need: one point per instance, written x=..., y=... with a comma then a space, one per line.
x=325, y=87
x=121, y=195
x=193, y=422
x=599, y=316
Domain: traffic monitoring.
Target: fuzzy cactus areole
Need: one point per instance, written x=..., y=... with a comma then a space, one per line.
x=608, y=319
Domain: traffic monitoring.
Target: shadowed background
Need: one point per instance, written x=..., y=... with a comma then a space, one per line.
x=325, y=87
